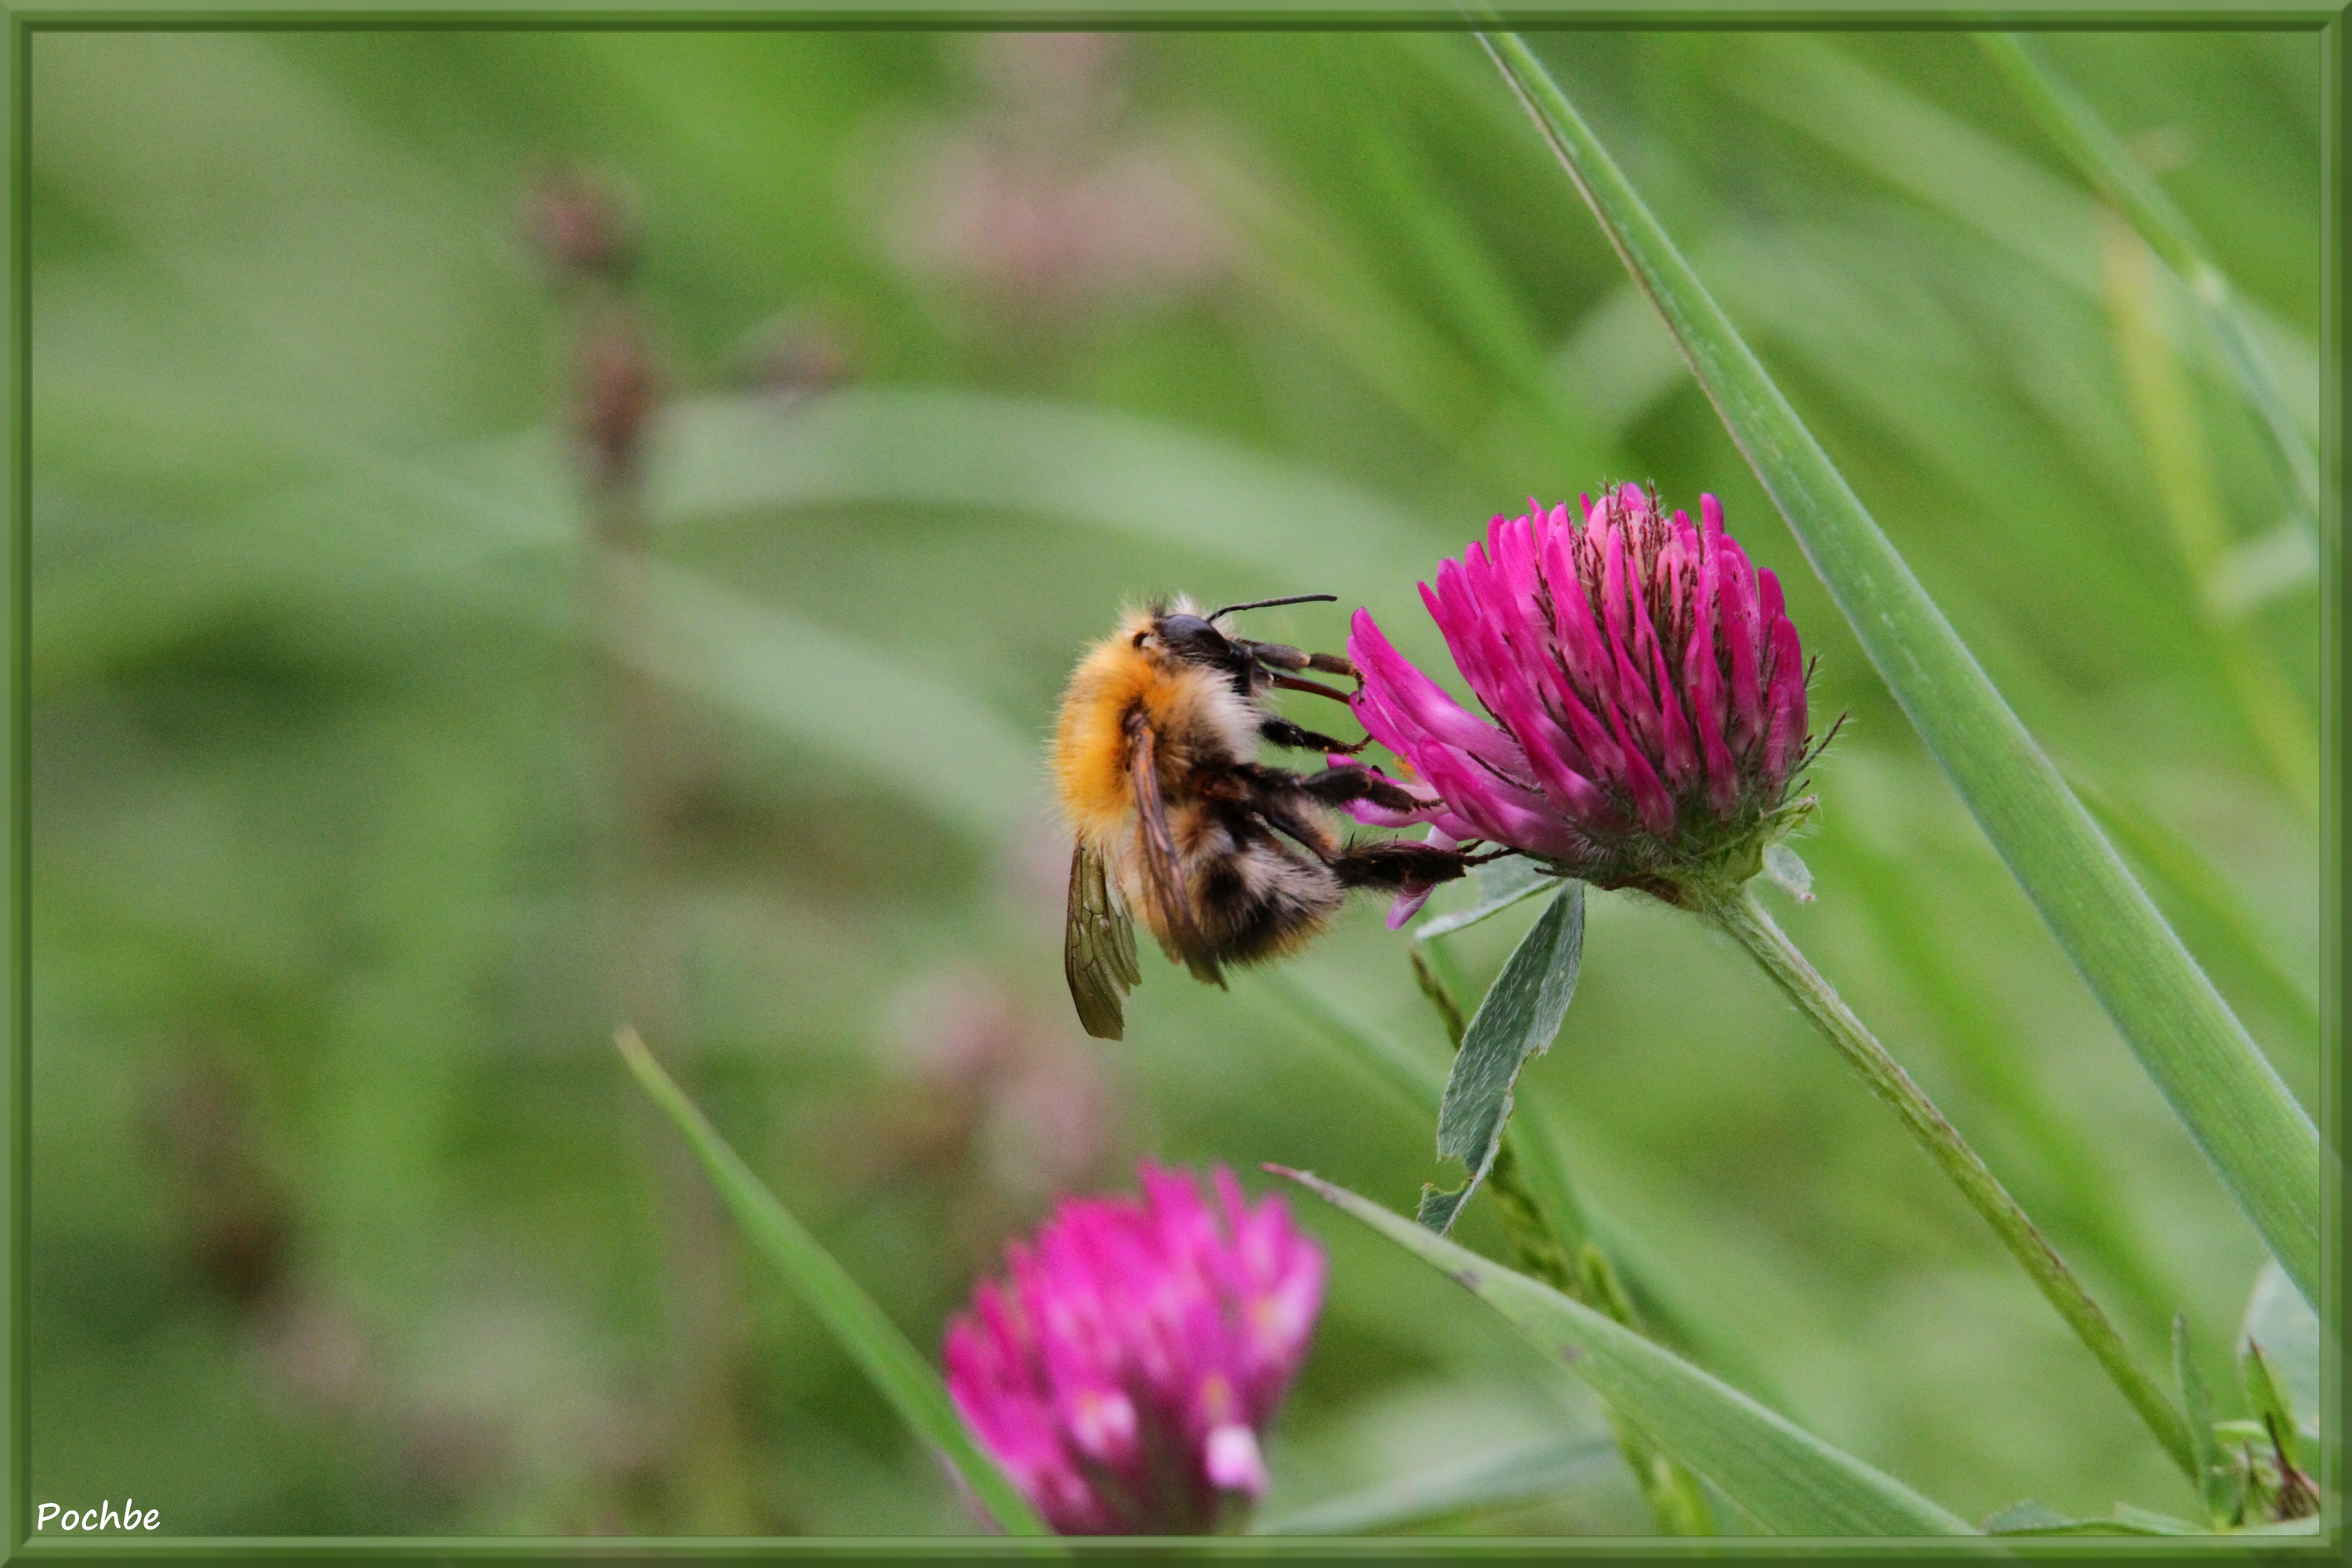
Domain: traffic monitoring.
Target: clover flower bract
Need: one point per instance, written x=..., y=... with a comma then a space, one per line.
x=1124, y=1371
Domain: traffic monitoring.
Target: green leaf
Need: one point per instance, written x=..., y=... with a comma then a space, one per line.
x=1790, y=1481
x=872, y=1340
x=2270, y=1402
x=2257, y=1138
x=2214, y=1476
x=2283, y=1323
x=1494, y=888
x=2031, y=1518
x=1787, y=872
x=2130, y=1520
x=2027, y=1518
x=1488, y=1480
x=1517, y=1022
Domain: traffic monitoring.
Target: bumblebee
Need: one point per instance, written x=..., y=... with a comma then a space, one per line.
x=1230, y=861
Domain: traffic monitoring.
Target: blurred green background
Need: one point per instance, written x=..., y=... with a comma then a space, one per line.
x=366, y=791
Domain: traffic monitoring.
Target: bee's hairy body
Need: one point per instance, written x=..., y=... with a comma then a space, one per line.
x=1155, y=759
x=1253, y=896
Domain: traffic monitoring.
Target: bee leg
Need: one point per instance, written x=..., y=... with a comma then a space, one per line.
x=1276, y=657
x=1397, y=863
x=1338, y=786
x=1292, y=683
x=1280, y=656
x=1332, y=664
x=1283, y=733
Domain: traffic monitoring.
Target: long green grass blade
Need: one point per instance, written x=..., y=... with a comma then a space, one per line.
x=2076, y=127
x=1519, y=1475
x=1790, y=1481
x=872, y=1340
x=2257, y=1138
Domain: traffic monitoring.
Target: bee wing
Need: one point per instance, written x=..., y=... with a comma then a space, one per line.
x=1163, y=873
x=1098, y=947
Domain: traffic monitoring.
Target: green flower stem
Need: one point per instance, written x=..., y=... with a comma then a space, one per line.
x=1754, y=930
x=1549, y=1243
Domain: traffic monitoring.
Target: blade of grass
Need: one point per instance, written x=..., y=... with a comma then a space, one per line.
x=1525, y=1474
x=2257, y=1138
x=1792, y=1482
x=2077, y=129
x=872, y=1340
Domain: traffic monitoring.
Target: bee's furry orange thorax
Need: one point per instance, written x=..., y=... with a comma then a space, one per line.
x=1191, y=711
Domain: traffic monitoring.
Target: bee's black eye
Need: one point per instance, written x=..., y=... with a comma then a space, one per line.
x=1142, y=638
x=1191, y=638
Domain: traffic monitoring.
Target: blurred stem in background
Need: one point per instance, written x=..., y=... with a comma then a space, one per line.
x=582, y=225
x=1552, y=1243
x=1745, y=921
x=2163, y=406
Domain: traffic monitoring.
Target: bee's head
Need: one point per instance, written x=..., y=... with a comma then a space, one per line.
x=1183, y=633
x=1187, y=637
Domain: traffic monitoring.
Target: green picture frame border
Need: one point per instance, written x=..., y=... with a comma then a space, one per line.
x=23, y=23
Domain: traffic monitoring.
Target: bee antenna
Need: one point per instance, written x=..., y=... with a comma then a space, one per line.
x=1270, y=603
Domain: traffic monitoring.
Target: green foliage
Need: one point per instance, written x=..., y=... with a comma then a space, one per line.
x=2213, y=1476
x=2077, y=128
x=1448, y=1492
x=319, y=936
x=2261, y=1143
x=903, y=1374
x=1787, y=1479
x=2281, y=1324
x=1516, y=1022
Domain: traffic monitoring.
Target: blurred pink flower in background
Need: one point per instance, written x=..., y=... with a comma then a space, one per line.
x=1647, y=691
x=1045, y=201
x=1125, y=1370
x=988, y=1089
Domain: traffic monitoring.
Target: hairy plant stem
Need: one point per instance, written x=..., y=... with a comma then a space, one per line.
x=1555, y=1249
x=1747, y=925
